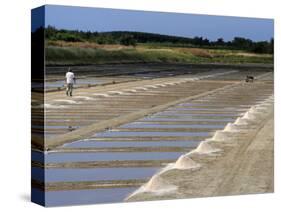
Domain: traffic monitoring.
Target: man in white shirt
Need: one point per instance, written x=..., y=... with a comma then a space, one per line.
x=70, y=80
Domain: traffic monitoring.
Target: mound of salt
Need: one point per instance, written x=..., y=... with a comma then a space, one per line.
x=205, y=148
x=142, y=88
x=268, y=105
x=152, y=86
x=83, y=97
x=230, y=127
x=132, y=90
x=240, y=121
x=157, y=184
x=254, y=111
x=101, y=94
x=115, y=92
x=219, y=135
x=267, y=102
x=260, y=108
x=67, y=101
x=248, y=115
x=50, y=106
x=185, y=162
x=270, y=99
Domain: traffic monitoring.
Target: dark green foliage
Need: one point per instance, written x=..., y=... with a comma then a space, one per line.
x=220, y=42
x=242, y=43
x=128, y=40
x=68, y=37
x=52, y=33
x=132, y=38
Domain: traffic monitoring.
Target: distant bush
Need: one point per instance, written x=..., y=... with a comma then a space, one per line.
x=263, y=47
x=68, y=37
x=127, y=38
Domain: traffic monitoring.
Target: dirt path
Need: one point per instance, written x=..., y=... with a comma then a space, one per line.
x=253, y=172
x=245, y=166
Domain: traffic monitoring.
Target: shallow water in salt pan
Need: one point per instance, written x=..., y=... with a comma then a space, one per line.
x=171, y=126
x=77, y=197
x=179, y=119
x=148, y=134
x=93, y=174
x=60, y=157
x=109, y=144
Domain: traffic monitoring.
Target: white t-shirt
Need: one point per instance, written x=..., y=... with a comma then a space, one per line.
x=69, y=77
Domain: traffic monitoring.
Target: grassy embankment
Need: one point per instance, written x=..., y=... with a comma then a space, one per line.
x=82, y=53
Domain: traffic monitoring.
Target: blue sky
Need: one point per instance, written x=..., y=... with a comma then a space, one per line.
x=187, y=25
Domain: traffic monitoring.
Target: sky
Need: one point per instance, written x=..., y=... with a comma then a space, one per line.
x=186, y=25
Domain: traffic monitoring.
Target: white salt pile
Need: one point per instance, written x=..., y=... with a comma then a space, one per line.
x=156, y=185
x=185, y=162
x=67, y=101
x=141, y=88
x=268, y=102
x=101, y=94
x=241, y=121
x=50, y=106
x=255, y=110
x=116, y=92
x=230, y=127
x=260, y=108
x=131, y=90
x=219, y=135
x=205, y=148
x=248, y=115
x=151, y=86
x=83, y=97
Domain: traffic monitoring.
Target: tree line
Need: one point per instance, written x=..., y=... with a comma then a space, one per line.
x=128, y=38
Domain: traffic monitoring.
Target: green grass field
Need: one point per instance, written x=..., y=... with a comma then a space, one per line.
x=81, y=53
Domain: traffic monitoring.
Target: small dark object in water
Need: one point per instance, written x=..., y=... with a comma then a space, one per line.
x=249, y=78
x=113, y=82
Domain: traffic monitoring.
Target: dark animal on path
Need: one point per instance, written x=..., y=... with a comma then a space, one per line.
x=70, y=128
x=249, y=78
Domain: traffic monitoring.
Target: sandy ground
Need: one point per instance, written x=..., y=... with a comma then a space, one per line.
x=244, y=166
